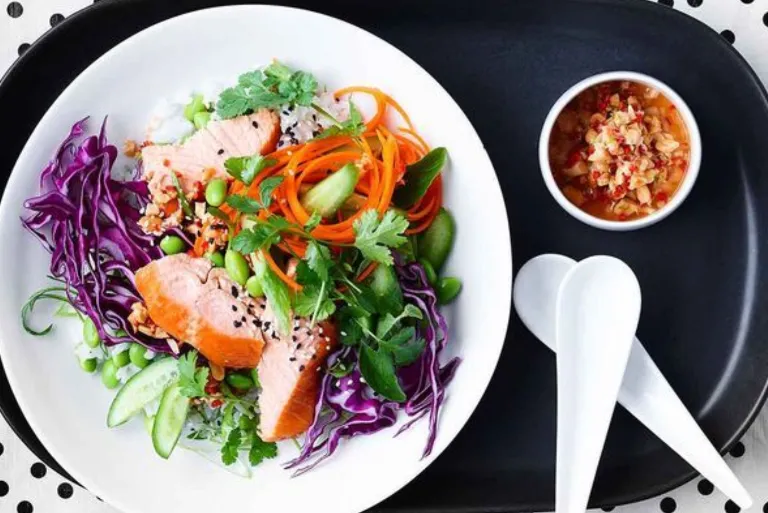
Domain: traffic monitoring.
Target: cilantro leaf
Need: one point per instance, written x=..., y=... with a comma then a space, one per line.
x=318, y=258
x=403, y=346
x=243, y=203
x=353, y=126
x=277, y=293
x=231, y=447
x=192, y=380
x=313, y=302
x=350, y=330
x=219, y=214
x=313, y=221
x=374, y=238
x=267, y=188
x=246, y=169
x=388, y=321
x=379, y=372
x=419, y=176
x=261, y=236
x=261, y=450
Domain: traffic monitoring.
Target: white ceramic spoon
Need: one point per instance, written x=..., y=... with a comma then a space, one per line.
x=644, y=392
x=596, y=316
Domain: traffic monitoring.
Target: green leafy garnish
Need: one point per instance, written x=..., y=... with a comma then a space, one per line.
x=353, y=126
x=192, y=380
x=276, y=291
x=318, y=258
x=274, y=86
x=50, y=293
x=377, y=368
x=243, y=203
x=388, y=321
x=261, y=236
x=246, y=169
x=183, y=201
x=404, y=347
x=261, y=450
x=374, y=238
x=267, y=187
x=313, y=221
x=339, y=369
x=419, y=176
x=231, y=447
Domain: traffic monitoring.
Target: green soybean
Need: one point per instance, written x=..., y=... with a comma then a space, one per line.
x=200, y=119
x=253, y=286
x=216, y=258
x=216, y=192
x=447, y=289
x=109, y=375
x=429, y=271
x=88, y=364
x=239, y=381
x=136, y=353
x=90, y=333
x=121, y=359
x=193, y=107
x=236, y=266
x=171, y=244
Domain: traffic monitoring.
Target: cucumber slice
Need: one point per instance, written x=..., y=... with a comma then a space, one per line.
x=169, y=421
x=328, y=195
x=436, y=242
x=143, y=388
x=387, y=289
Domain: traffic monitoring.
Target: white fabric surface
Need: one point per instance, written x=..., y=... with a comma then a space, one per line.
x=22, y=492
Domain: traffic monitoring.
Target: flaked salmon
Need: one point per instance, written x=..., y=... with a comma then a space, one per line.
x=290, y=377
x=197, y=304
x=202, y=156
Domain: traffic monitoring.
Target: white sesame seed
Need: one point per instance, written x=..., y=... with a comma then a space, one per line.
x=343, y=333
x=362, y=379
x=328, y=348
x=327, y=339
x=350, y=383
x=338, y=383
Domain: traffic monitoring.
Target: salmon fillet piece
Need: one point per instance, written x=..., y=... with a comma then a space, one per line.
x=208, y=149
x=290, y=376
x=201, y=306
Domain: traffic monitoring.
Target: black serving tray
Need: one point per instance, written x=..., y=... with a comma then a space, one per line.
x=702, y=270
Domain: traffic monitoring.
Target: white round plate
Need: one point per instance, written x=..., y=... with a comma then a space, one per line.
x=67, y=408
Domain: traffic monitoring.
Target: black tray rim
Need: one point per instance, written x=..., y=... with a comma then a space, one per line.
x=18, y=425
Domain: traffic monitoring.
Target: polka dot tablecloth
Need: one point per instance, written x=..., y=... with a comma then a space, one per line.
x=27, y=485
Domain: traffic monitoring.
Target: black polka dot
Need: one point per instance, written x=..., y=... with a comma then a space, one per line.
x=2, y=449
x=705, y=487
x=3, y=488
x=56, y=19
x=608, y=509
x=738, y=450
x=746, y=1
x=38, y=470
x=695, y=3
x=731, y=507
x=668, y=505
x=65, y=490
x=23, y=47
x=765, y=507
x=765, y=19
x=668, y=3
x=14, y=9
x=25, y=507
x=728, y=35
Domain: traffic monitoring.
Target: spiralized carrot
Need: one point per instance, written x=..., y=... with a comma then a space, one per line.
x=381, y=154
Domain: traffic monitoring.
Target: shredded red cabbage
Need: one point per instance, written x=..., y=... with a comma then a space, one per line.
x=348, y=407
x=88, y=221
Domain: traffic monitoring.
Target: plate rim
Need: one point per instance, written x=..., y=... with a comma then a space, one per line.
x=505, y=274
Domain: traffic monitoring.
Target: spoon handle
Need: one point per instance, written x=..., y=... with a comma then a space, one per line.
x=647, y=395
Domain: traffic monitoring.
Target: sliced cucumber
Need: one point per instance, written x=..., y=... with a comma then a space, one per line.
x=328, y=195
x=169, y=421
x=436, y=242
x=143, y=388
x=387, y=289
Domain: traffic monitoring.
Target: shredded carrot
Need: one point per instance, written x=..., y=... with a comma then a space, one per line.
x=366, y=272
x=279, y=272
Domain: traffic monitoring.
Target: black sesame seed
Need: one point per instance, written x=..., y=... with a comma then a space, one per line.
x=243, y=318
x=314, y=117
x=263, y=306
x=301, y=368
x=266, y=325
x=234, y=291
x=257, y=323
x=255, y=124
x=286, y=112
x=294, y=338
x=292, y=359
x=298, y=346
x=295, y=328
x=211, y=240
x=315, y=133
x=234, y=308
x=296, y=318
x=295, y=125
x=237, y=324
x=309, y=332
x=275, y=336
x=221, y=151
x=314, y=357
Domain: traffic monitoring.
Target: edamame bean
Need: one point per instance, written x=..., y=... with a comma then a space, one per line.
x=216, y=192
x=236, y=266
x=193, y=107
x=88, y=365
x=121, y=359
x=447, y=289
x=253, y=286
x=429, y=271
x=109, y=375
x=239, y=381
x=171, y=244
x=136, y=354
x=200, y=119
x=216, y=258
x=90, y=333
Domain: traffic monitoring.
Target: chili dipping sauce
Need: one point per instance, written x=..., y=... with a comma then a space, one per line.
x=619, y=150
